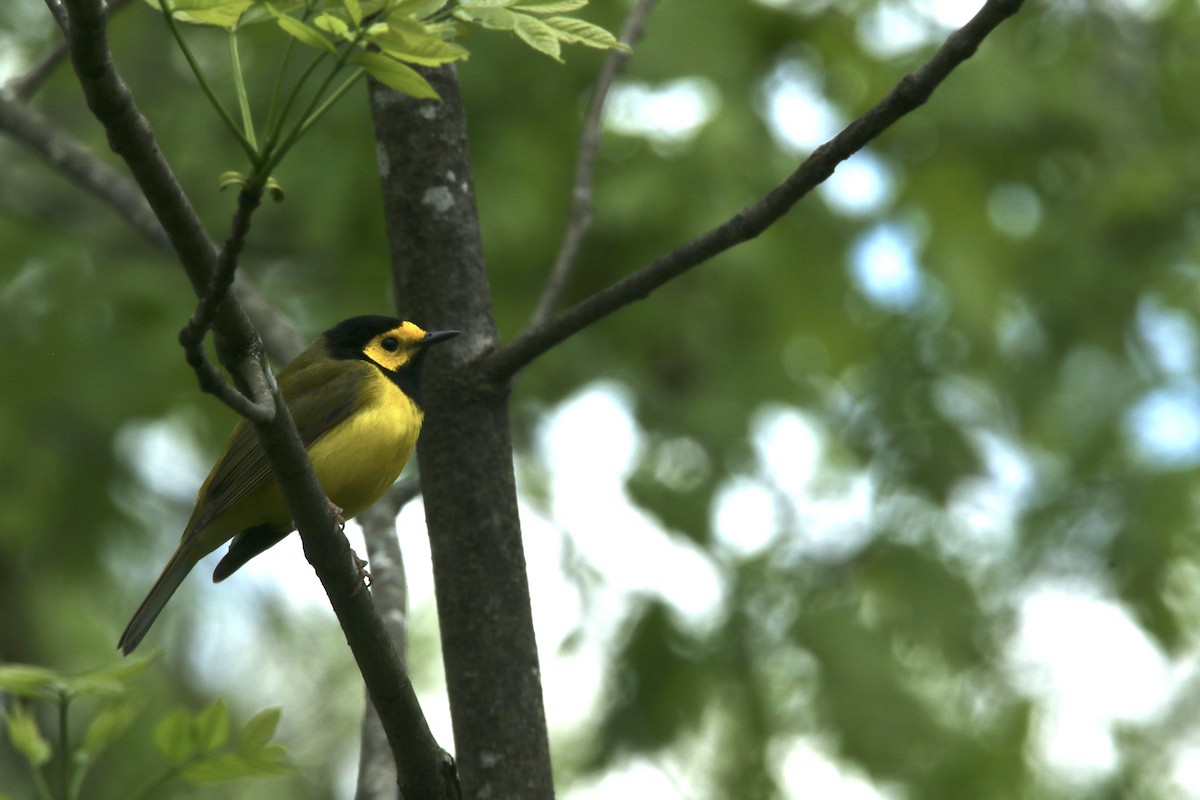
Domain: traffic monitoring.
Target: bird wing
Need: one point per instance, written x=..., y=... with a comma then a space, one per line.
x=320, y=393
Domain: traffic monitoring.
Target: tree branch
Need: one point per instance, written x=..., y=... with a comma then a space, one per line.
x=193, y=333
x=26, y=85
x=376, y=767
x=130, y=137
x=70, y=157
x=912, y=91
x=580, y=216
x=59, y=12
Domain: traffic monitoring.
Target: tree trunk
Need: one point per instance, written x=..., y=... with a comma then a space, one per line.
x=465, y=451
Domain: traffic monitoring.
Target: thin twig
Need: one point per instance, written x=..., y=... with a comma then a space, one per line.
x=26, y=86
x=580, y=216
x=193, y=333
x=223, y=272
x=912, y=91
x=278, y=333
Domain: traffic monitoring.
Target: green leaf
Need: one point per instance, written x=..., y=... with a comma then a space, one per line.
x=354, y=9
x=84, y=686
x=272, y=752
x=212, y=727
x=550, y=6
x=445, y=30
x=574, y=30
x=331, y=24
x=125, y=670
x=231, y=178
x=416, y=9
x=258, y=730
x=219, y=13
x=231, y=766
x=113, y=720
x=175, y=736
x=259, y=12
x=472, y=5
x=419, y=47
x=26, y=680
x=538, y=35
x=304, y=33
x=275, y=189
x=25, y=737
x=497, y=19
x=393, y=74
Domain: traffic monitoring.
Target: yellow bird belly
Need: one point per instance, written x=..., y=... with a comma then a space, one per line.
x=355, y=461
x=359, y=458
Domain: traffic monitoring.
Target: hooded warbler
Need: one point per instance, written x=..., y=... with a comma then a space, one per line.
x=355, y=396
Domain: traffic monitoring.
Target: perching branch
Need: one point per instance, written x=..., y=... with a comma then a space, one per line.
x=912, y=91
x=59, y=12
x=26, y=86
x=130, y=137
x=580, y=216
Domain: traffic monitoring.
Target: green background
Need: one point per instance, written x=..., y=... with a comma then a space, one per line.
x=1050, y=186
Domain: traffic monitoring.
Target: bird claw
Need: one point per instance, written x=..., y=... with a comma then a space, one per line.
x=361, y=566
x=338, y=519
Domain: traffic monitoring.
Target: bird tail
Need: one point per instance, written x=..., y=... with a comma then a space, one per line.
x=172, y=575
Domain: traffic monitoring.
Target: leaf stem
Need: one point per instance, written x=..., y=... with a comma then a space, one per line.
x=272, y=122
x=251, y=150
x=239, y=83
x=167, y=776
x=444, y=13
x=329, y=102
x=315, y=109
x=269, y=147
x=64, y=748
x=76, y=786
x=39, y=782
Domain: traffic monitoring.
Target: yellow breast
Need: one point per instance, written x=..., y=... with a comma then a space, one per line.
x=358, y=459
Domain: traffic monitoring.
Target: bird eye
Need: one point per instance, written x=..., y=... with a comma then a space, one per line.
x=391, y=344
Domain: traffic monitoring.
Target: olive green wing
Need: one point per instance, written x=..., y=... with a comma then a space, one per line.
x=319, y=391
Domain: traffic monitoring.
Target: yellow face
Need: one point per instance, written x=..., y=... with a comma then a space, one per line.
x=395, y=348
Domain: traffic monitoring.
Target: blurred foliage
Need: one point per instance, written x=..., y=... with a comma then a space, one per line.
x=197, y=747
x=1003, y=429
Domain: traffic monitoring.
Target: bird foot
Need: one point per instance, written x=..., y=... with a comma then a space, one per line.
x=338, y=519
x=361, y=565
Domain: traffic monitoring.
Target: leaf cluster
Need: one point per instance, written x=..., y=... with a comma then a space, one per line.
x=198, y=747
x=386, y=39
x=202, y=749
x=539, y=23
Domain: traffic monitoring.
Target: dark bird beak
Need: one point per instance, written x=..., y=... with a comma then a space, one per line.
x=433, y=337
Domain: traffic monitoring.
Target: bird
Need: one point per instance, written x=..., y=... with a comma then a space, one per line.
x=355, y=395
